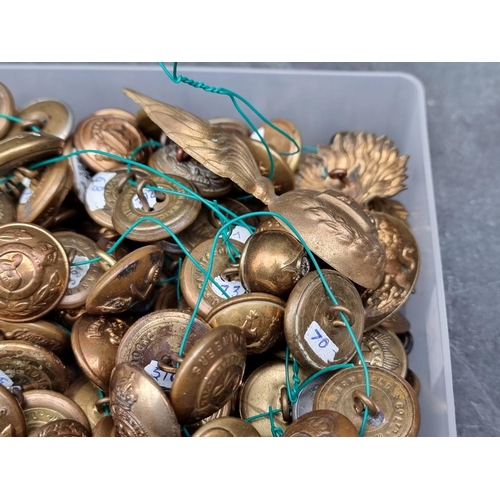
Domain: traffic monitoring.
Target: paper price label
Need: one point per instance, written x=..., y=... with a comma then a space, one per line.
x=81, y=175
x=150, y=196
x=254, y=135
x=319, y=342
x=5, y=380
x=77, y=273
x=232, y=288
x=27, y=191
x=164, y=379
x=241, y=234
x=94, y=196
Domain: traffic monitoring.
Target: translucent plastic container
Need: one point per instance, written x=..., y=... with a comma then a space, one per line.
x=320, y=103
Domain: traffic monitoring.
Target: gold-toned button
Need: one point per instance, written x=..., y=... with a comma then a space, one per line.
x=192, y=278
x=235, y=126
x=34, y=272
x=95, y=341
x=227, y=427
x=83, y=392
x=42, y=333
x=6, y=108
x=259, y=315
x=7, y=209
x=121, y=113
x=393, y=404
x=382, y=348
x=105, y=428
x=138, y=405
x=41, y=407
x=322, y=423
x=397, y=323
x=32, y=367
x=210, y=374
x=314, y=329
x=208, y=184
x=12, y=421
x=61, y=428
x=127, y=282
x=51, y=116
x=110, y=133
x=389, y=206
x=400, y=274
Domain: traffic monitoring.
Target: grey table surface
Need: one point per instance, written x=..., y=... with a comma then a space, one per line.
x=462, y=102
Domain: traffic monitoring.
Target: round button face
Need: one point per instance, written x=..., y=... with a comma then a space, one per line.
x=314, y=329
x=109, y=133
x=6, y=108
x=34, y=272
x=62, y=428
x=396, y=412
x=227, y=427
x=322, y=423
x=12, y=421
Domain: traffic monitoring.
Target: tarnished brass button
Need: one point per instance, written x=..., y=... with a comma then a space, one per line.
x=382, y=348
x=104, y=428
x=51, y=116
x=394, y=408
x=400, y=274
x=314, y=329
x=95, y=341
x=397, y=323
x=129, y=281
x=235, y=126
x=227, y=427
x=322, y=423
x=7, y=209
x=138, y=405
x=12, y=421
x=259, y=315
x=34, y=272
x=210, y=374
x=42, y=333
x=41, y=407
x=32, y=367
x=6, y=108
x=208, y=184
x=389, y=206
x=83, y=392
x=61, y=428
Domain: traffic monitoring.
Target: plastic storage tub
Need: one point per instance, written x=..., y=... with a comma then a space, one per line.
x=320, y=103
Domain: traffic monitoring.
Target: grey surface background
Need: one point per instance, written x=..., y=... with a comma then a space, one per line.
x=463, y=104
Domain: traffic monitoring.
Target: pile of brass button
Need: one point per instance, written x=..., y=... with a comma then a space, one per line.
x=129, y=306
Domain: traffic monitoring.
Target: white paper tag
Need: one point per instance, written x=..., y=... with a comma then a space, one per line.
x=77, y=273
x=5, y=380
x=81, y=175
x=27, y=191
x=164, y=379
x=241, y=234
x=254, y=135
x=232, y=288
x=150, y=196
x=94, y=196
x=319, y=342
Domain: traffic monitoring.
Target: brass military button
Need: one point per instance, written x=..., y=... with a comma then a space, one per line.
x=147, y=126
x=322, y=423
x=7, y=209
x=259, y=315
x=233, y=125
x=389, y=206
x=157, y=336
x=109, y=133
x=12, y=421
x=393, y=405
x=210, y=374
x=120, y=113
x=51, y=116
x=6, y=108
x=127, y=282
x=283, y=178
x=82, y=279
x=95, y=341
x=175, y=211
x=227, y=427
x=397, y=323
x=41, y=407
x=138, y=405
x=27, y=148
x=42, y=333
x=104, y=428
x=382, y=348
x=67, y=317
x=273, y=262
x=280, y=143
x=400, y=274
x=208, y=184
x=192, y=278
x=314, y=329
x=34, y=272
x=61, y=428
x=32, y=367
x=86, y=395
